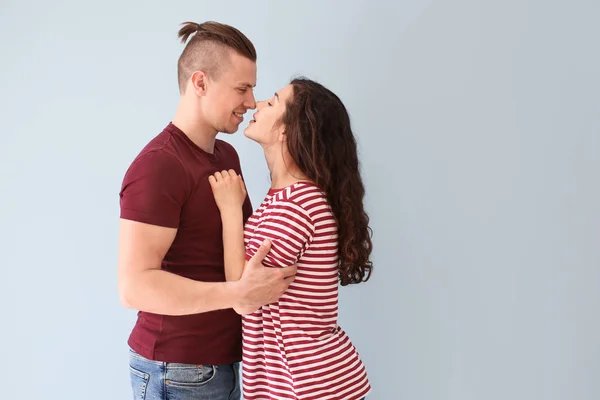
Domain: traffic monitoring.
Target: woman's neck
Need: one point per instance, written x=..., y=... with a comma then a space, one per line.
x=284, y=171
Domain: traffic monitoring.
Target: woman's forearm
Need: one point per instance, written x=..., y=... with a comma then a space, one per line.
x=234, y=250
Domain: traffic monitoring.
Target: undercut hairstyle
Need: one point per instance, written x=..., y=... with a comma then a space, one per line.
x=208, y=49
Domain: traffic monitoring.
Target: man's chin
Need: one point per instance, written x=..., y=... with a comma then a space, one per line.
x=229, y=131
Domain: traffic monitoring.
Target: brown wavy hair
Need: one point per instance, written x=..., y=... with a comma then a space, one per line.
x=320, y=140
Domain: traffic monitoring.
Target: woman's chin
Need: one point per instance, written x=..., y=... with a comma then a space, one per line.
x=248, y=134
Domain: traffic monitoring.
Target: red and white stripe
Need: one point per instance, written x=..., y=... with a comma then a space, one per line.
x=294, y=349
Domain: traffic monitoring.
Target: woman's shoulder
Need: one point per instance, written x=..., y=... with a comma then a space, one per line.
x=299, y=193
x=304, y=197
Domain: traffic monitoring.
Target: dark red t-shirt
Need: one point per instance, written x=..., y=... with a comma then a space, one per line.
x=167, y=185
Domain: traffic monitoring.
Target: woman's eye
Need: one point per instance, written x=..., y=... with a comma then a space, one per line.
x=269, y=103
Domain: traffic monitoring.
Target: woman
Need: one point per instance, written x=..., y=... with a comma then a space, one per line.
x=312, y=216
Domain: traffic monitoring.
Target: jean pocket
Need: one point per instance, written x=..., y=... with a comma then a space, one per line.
x=189, y=375
x=139, y=383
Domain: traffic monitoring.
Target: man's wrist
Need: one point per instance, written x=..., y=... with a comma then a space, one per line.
x=234, y=291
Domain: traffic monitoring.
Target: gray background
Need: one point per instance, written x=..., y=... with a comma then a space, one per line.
x=479, y=132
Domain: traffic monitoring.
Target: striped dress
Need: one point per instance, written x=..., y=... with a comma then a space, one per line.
x=294, y=348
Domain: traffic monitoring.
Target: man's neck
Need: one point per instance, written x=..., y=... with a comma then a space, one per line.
x=200, y=133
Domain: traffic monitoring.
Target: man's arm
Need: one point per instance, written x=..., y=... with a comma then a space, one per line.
x=144, y=286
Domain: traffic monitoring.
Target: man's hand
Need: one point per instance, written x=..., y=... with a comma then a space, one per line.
x=260, y=285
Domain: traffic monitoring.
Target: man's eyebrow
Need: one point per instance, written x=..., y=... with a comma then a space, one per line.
x=249, y=85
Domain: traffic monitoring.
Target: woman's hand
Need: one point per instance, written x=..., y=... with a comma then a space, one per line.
x=229, y=190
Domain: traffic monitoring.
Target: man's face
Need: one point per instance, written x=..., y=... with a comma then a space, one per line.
x=231, y=95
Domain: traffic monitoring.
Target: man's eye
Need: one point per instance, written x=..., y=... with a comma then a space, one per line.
x=242, y=90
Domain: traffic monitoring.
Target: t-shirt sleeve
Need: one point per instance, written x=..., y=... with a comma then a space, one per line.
x=290, y=229
x=154, y=190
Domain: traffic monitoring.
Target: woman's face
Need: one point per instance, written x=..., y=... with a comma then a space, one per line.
x=266, y=128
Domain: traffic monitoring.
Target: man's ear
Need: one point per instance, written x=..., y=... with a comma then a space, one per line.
x=199, y=82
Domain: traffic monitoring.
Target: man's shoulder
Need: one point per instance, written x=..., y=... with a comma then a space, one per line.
x=157, y=157
x=159, y=150
x=160, y=144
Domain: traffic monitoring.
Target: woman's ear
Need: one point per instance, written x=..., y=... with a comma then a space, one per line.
x=281, y=129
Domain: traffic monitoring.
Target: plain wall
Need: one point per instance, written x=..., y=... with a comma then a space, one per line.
x=479, y=132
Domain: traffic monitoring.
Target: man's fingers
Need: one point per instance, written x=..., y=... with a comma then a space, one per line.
x=261, y=253
x=289, y=272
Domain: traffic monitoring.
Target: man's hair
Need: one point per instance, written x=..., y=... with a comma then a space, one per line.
x=208, y=49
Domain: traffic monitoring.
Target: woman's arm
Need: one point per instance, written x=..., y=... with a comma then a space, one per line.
x=230, y=192
x=234, y=251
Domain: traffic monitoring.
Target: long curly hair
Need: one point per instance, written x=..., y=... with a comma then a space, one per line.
x=321, y=142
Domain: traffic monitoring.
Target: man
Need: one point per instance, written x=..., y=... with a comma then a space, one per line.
x=186, y=343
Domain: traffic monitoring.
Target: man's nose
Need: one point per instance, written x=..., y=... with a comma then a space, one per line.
x=250, y=101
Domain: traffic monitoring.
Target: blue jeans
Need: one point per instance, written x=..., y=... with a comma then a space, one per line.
x=157, y=380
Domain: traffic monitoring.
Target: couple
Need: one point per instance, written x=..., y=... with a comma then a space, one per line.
x=200, y=265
